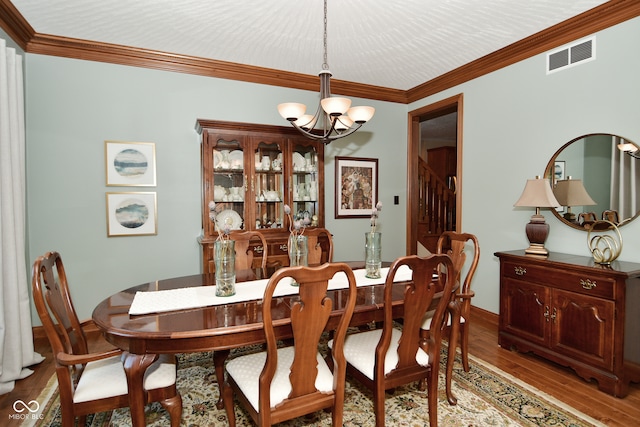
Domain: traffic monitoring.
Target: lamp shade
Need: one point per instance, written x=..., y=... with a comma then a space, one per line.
x=291, y=110
x=571, y=192
x=343, y=122
x=335, y=106
x=537, y=194
x=361, y=114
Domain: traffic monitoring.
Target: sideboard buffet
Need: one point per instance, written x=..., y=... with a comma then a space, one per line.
x=251, y=172
x=574, y=312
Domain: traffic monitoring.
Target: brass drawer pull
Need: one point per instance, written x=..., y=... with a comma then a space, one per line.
x=587, y=284
x=258, y=249
x=520, y=271
x=283, y=248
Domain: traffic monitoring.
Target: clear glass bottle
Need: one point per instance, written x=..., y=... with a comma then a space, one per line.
x=373, y=254
x=225, y=259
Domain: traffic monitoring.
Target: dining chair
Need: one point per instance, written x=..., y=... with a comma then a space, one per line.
x=320, y=243
x=91, y=382
x=287, y=382
x=393, y=355
x=455, y=245
x=248, y=244
x=587, y=218
x=611, y=216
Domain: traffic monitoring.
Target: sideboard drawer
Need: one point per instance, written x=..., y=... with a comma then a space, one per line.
x=584, y=283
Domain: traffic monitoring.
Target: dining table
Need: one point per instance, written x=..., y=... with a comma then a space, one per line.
x=182, y=315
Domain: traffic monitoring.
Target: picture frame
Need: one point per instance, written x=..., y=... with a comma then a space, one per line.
x=356, y=187
x=132, y=214
x=558, y=171
x=130, y=164
x=558, y=175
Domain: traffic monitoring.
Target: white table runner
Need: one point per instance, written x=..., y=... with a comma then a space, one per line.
x=148, y=302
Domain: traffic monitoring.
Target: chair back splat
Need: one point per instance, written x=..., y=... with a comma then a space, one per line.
x=286, y=382
x=91, y=382
x=320, y=243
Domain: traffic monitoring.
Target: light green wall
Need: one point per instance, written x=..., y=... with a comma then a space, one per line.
x=73, y=106
x=514, y=120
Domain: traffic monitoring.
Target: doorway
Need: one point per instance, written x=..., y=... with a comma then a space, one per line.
x=434, y=173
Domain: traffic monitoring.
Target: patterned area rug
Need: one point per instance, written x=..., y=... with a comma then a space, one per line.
x=486, y=397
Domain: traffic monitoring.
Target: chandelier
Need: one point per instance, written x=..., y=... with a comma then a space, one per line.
x=334, y=118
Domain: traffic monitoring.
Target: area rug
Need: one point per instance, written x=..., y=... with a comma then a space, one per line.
x=486, y=396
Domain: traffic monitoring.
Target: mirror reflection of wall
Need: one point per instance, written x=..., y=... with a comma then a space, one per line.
x=610, y=176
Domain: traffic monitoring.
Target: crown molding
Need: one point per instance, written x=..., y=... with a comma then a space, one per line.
x=596, y=19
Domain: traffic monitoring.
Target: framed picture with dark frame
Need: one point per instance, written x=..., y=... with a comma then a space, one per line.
x=356, y=187
x=130, y=163
x=132, y=214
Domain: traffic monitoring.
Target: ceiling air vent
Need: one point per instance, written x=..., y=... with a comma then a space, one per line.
x=568, y=56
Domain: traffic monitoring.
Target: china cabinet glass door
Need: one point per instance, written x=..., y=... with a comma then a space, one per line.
x=268, y=185
x=229, y=183
x=305, y=189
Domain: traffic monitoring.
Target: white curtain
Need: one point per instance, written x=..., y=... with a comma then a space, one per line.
x=16, y=339
x=625, y=190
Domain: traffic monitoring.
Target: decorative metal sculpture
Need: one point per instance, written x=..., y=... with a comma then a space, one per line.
x=605, y=248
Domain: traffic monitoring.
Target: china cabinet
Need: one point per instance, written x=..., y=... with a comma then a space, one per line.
x=251, y=172
x=574, y=312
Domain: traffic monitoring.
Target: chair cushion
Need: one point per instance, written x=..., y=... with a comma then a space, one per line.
x=106, y=378
x=428, y=317
x=245, y=370
x=360, y=351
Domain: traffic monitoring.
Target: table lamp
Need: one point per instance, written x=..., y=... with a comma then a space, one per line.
x=537, y=194
x=571, y=192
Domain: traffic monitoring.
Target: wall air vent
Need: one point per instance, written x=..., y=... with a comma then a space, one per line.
x=571, y=55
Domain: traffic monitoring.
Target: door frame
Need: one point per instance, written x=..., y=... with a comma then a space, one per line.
x=439, y=108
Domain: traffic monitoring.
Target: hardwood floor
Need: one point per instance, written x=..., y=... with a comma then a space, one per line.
x=557, y=381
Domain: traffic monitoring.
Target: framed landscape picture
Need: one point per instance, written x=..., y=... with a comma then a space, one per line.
x=356, y=187
x=131, y=214
x=130, y=163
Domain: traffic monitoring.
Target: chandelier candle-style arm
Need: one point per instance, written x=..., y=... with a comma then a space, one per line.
x=334, y=117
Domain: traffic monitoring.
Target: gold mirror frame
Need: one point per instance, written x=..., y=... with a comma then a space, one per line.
x=584, y=171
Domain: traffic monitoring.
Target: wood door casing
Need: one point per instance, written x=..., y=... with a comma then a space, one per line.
x=437, y=109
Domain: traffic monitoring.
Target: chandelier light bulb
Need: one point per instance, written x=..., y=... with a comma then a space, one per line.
x=291, y=111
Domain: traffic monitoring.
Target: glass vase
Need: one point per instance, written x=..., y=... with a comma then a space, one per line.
x=298, y=252
x=225, y=259
x=373, y=254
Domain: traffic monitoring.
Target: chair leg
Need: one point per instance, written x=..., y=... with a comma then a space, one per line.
x=432, y=396
x=173, y=406
x=464, y=345
x=378, y=406
x=454, y=335
x=227, y=397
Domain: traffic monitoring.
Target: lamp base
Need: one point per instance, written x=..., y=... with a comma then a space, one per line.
x=536, y=249
x=537, y=231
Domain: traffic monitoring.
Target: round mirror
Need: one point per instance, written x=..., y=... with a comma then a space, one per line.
x=596, y=177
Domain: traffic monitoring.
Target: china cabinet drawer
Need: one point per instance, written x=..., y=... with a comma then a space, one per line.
x=586, y=283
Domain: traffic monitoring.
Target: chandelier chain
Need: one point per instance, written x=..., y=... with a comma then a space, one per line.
x=325, y=63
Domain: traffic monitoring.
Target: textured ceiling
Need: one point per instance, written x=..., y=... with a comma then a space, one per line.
x=397, y=44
